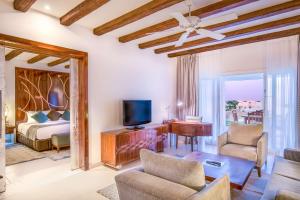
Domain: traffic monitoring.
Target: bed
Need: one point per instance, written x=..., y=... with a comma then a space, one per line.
x=40, y=91
x=38, y=135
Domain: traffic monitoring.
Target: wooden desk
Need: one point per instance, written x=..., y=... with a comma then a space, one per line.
x=191, y=129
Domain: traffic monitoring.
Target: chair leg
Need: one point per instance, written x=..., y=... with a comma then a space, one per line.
x=259, y=171
x=176, y=141
x=192, y=144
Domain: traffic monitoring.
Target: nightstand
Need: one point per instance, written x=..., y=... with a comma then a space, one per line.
x=10, y=129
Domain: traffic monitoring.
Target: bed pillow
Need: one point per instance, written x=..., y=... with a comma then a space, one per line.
x=40, y=117
x=54, y=115
x=66, y=115
x=29, y=116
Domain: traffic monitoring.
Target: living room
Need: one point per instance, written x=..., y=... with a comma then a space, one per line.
x=175, y=99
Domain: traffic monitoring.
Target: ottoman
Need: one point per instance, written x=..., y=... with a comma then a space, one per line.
x=60, y=141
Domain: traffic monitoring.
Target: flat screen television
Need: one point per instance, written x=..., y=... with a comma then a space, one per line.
x=136, y=112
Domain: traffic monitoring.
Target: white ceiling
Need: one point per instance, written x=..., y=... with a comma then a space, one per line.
x=116, y=8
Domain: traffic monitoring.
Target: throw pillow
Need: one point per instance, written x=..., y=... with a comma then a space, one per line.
x=40, y=117
x=54, y=115
x=66, y=115
x=29, y=116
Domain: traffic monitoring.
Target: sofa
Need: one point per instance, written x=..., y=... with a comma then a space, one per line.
x=245, y=141
x=166, y=178
x=284, y=183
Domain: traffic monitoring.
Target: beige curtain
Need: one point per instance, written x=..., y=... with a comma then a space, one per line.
x=74, y=134
x=2, y=119
x=187, y=86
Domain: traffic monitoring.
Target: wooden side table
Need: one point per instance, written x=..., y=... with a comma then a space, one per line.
x=10, y=129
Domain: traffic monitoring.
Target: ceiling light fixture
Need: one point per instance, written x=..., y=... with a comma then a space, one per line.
x=47, y=7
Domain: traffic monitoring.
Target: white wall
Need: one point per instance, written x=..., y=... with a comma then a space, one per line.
x=10, y=82
x=249, y=58
x=116, y=71
x=234, y=60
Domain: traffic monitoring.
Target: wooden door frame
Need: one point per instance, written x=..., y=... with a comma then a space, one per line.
x=62, y=52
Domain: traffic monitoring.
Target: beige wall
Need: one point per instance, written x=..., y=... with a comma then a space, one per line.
x=116, y=71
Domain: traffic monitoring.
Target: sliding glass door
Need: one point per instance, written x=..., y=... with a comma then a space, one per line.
x=244, y=99
x=231, y=99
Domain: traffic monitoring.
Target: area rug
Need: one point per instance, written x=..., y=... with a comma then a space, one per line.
x=253, y=189
x=55, y=156
x=19, y=153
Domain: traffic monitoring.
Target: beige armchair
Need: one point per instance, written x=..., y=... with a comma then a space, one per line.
x=167, y=178
x=247, y=142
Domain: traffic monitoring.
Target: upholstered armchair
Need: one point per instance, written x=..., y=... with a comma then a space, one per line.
x=166, y=178
x=247, y=142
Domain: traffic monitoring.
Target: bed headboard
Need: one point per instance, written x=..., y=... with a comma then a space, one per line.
x=38, y=90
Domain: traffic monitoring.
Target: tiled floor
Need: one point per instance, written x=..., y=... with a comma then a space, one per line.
x=45, y=179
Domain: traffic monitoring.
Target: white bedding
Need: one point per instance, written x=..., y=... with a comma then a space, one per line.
x=45, y=132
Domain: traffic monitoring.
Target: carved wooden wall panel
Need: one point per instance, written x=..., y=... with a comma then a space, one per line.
x=38, y=90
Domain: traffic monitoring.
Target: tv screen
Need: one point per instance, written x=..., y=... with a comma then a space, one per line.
x=136, y=112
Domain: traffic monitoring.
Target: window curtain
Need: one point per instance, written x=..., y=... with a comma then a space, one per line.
x=2, y=119
x=298, y=98
x=211, y=98
x=187, y=86
x=74, y=134
x=281, y=93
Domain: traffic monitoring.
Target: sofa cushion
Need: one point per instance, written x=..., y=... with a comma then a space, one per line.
x=240, y=151
x=136, y=185
x=287, y=168
x=245, y=134
x=278, y=182
x=287, y=195
x=184, y=172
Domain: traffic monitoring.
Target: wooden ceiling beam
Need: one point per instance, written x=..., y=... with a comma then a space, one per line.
x=135, y=15
x=81, y=10
x=39, y=47
x=256, y=15
x=57, y=62
x=13, y=54
x=37, y=58
x=235, y=34
x=171, y=23
x=23, y=5
x=260, y=38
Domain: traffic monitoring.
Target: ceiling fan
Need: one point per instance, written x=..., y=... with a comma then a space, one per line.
x=194, y=23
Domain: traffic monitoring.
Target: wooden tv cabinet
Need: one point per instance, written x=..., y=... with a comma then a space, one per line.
x=119, y=147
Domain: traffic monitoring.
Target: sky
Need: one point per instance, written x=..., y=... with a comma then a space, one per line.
x=244, y=90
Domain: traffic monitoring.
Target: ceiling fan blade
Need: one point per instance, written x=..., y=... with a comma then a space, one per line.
x=180, y=18
x=217, y=20
x=210, y=34
x=182, y=39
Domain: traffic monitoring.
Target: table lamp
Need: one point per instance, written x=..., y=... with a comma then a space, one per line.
x=6, y=112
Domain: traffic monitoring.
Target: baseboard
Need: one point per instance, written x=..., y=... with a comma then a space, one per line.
x=94, y=165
